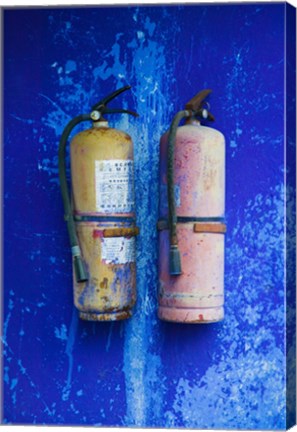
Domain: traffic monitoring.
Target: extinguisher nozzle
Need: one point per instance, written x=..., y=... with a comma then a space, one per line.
x=80, y=271
x=174, y=261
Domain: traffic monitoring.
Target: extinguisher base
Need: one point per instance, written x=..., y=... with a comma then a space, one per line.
x=105, y=316
x=191, y=315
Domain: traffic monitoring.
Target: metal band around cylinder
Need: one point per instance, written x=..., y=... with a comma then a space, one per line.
x=215, y=228
x=94, y=218
x=200, y=224
x=121, y=232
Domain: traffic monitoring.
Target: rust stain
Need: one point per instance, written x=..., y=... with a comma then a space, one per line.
x=105, y=316
x=97, y=234
x=104, y=283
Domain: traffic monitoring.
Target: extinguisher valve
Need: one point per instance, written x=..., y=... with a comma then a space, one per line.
x=101, y=108
x=95, y=115
x=174, y=261
x=196, y=105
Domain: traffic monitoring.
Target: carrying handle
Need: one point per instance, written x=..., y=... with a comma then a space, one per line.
x=110, y=97
x=119, y=111
x=101, y=106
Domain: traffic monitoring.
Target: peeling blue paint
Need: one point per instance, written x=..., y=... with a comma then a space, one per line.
x=143, y=372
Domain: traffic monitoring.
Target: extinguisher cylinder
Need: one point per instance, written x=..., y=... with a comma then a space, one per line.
x=195, y=293
x=102, y=178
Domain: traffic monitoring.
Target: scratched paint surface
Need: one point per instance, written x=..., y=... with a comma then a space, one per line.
x=143, y=372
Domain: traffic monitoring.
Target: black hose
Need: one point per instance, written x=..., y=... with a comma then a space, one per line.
x=174, y=254
x=80, y=271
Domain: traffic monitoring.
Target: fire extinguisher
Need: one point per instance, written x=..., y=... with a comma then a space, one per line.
x=191, y=224
x=100, y=214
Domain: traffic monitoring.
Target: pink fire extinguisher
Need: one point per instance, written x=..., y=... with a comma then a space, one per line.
x=191, y=224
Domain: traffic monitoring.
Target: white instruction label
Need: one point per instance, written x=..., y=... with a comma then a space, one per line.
x=114, y=186
x=118, y=250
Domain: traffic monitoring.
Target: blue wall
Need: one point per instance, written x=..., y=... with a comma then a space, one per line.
x=143, y=372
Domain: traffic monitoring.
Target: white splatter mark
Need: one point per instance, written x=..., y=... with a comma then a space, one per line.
x=69, y=348
x=61, y=333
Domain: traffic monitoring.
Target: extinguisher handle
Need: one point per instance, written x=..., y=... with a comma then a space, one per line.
x=99, y=106
x=119, y=111
x=196, y=105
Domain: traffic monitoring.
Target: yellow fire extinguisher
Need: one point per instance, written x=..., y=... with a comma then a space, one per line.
x=100, y=214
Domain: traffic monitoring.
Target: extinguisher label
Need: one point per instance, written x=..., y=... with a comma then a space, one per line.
x=118, y=250
x=114, y=186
